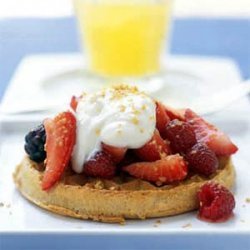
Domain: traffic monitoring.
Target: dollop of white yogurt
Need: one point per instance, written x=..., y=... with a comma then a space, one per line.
x=120, y=117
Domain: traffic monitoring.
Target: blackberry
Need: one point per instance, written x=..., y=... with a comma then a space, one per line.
x=34, y=144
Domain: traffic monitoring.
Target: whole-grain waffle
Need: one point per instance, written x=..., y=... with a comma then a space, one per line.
x=118, y=199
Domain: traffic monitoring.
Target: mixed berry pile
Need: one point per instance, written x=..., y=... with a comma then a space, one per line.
x=182, y=143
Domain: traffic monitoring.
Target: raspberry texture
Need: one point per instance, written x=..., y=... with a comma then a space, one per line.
x=34, y=144
x=216, y=202
x=100, y=165
x=181, y=135
x=202, y=159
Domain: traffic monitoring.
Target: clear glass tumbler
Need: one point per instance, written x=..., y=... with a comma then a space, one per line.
x=124, y=38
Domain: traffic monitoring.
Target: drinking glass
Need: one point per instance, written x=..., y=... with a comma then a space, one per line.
x=124, y=38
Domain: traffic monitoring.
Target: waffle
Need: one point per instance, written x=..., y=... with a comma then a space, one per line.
x=114, y=200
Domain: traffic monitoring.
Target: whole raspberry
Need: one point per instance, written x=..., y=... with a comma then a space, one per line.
x=100, y=165
x=181, y=135
x=202, y=159
x=216, y=202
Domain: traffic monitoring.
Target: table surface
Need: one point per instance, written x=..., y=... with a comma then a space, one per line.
x=227, y=37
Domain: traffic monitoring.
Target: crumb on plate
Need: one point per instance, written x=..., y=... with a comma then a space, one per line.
x=188, y=225
x=248, y=200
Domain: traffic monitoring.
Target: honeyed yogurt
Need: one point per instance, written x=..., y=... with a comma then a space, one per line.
x=119, y=116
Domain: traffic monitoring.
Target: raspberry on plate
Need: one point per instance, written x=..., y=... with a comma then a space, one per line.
x=181, y=135
x=100, y=165
x=216, y=202
x=155, y=149
x=205, y=132
x=202, y=159
x=169, y=169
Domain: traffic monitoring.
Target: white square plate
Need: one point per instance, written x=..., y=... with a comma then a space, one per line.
x=20, y=219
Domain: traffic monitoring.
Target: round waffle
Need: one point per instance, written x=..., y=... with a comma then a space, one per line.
x=114, y=200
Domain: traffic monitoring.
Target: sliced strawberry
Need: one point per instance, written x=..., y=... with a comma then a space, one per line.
x=175, y=113
x=153, y=150
x=162, y=118
x=167, y=170
x=117, y=154
x=60, y=139
x=100, y=165
x=205, y=132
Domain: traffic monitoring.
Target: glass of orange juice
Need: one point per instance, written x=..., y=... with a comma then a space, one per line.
x=124, y=38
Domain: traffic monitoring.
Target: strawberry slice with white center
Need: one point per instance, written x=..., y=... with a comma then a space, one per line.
x=171, y=168
x=206, y=133
x=60, y=140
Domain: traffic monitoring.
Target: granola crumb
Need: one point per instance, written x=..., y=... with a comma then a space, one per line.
x=135, y=120
x=248, y=200
x=97, y=131
x=1, y=204
x=188, y=225
x=158, y=222
x=99, y=185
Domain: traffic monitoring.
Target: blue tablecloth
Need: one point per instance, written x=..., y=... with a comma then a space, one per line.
x=197, y=36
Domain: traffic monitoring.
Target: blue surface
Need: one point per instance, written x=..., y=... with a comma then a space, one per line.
x=197, y=36
x=117, y=242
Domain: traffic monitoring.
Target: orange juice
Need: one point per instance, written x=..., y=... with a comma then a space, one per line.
x=123, y=38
